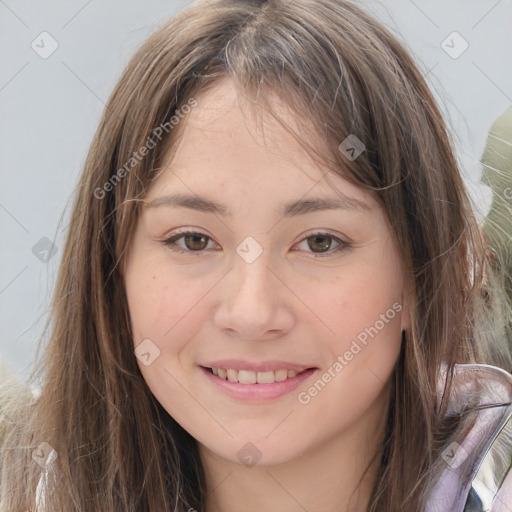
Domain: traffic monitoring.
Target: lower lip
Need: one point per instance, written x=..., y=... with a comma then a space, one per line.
x=258, y=391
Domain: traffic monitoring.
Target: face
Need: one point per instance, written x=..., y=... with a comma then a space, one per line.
x=267, y=300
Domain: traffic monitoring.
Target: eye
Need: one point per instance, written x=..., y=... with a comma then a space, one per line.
x=194, y=242
x=319, y=243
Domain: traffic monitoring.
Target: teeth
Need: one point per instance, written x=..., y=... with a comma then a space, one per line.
x=232, y=375
x=250, y=377
x=265, y=377
x=281, y=375
x=246, y=376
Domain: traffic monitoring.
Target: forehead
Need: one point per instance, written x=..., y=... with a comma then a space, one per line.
x=229, y=118
x=229, y=144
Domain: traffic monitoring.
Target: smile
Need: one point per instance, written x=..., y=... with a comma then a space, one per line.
x=252, y=377
x=257, y=385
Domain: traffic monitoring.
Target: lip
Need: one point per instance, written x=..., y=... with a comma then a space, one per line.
x=258, y=392
x=238, y=364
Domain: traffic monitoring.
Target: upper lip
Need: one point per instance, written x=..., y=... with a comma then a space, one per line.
x=262, y=366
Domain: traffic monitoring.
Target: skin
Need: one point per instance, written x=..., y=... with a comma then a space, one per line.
x=288, y=304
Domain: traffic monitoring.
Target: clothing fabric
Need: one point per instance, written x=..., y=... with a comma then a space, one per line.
x=478, y=474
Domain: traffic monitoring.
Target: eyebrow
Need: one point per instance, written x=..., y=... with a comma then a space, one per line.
x=291, y=209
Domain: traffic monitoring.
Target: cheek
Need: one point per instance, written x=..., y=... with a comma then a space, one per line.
x=166, y=309
x=360, y=300
x=362, y=306
x=362, y=356
x=159, y=299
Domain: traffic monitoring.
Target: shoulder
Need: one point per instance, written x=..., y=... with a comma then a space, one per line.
x=478, y=464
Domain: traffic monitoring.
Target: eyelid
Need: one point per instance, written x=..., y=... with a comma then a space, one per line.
x=171, y=240
x=343, y=245
x=320, y=231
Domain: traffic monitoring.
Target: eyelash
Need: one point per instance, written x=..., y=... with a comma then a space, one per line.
x=171, y=243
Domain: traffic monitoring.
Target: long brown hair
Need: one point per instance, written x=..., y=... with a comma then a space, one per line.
x=118, y=449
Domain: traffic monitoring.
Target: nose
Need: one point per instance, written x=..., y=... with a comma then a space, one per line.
x=254, y=302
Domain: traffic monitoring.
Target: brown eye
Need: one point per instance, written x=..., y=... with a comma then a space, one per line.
x=323, y=245
x=195, y=241
x=320, y=243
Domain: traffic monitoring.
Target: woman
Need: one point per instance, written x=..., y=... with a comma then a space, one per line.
x=272, y=294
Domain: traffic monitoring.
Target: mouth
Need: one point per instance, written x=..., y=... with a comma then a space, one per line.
x=253, y=377
x=262, y=384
